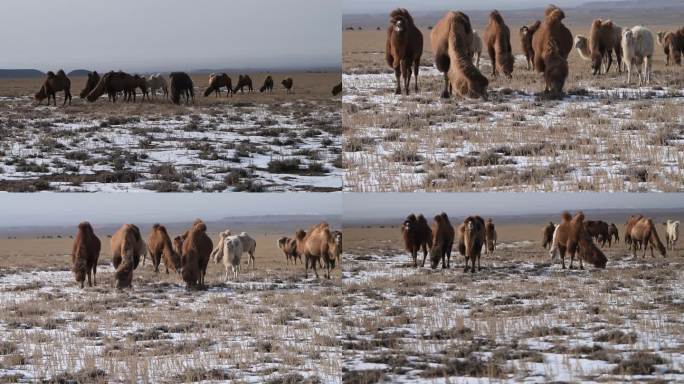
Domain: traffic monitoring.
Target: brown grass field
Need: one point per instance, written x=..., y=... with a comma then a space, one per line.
x=604, y=136
x=521, y=319
x=271, y=325
x=249, y=142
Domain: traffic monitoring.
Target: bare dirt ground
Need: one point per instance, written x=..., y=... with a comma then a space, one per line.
x=605, y=135
x=250, y=142
x=271, y=325
x=520, y=319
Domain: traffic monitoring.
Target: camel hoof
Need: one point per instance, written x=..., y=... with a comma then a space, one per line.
x=397, y=91
x=445, y=95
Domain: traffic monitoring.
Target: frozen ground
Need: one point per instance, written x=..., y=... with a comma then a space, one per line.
x=601, y=137
x=520, y=319
x=238, y=146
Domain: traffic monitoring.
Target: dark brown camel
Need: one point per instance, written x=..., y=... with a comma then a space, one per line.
x=85, y=253
x=417, y=235
x=268, y=84
x=243, y=81
x=288, y=84
x=526, y=33
x=53, y=84
x=216, y=82
x=91, y=83
x=181, y=85
x=403, y=48
x=442, y=241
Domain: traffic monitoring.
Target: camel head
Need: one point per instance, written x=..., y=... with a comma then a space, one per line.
x=408, y=223
x=592, y=254
x=40, y=95
x=524, y=31
x=400, y=19
x=435, y=255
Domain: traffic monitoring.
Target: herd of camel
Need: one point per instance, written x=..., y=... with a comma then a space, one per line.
x=573, y=236
x=114, y=83
x=188, y=254
x=546, y=45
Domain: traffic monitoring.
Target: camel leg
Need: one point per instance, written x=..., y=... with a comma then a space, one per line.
x=90, y=283
x=610, y=62
x=472, y=270
x=492, y=57
x=397, y=75
x=425, y=252
x=406, y=72
x=479, y=268
x=647, y=69
x=313, y=265
x=465, y=269
x=448, y=253
x=414, y=256
x=95, y=275
x=416, y=68
x=445, y=92
x=477, y=62
x=306, y=266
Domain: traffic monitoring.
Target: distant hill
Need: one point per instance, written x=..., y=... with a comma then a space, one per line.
x=78, y=72
x=20, y=73
x=634, y=4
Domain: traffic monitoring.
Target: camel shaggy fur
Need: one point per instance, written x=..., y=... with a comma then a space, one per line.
x=452, y=40
x=181, y=85
x=91, y=83
x=490, y=236
x=471, y=241
x=598, y=230
x=403, y=48
x=318, y=243
x=526, y=32
x=613, y=233
x=54, y=83
x=572, y=237
x=629, y=224
x=671, y=233
x=288, y=84
x=243, y=81
x=497, y=37
x=218, y=81
x=442, y=241
x=644, y=231
x=604, y=38
x=638, y=46
x=476, y=49
x=127, y=248
x=268, y=84
x=547, y=234
x=337, y=89
x=552, y=44
x=673, y=45
x=197, y=248
x=289, y=248
x=84, y=254
x=157, y=82
x=160, y=247
x=230, y=249
x=417, y=235
x=114, y=83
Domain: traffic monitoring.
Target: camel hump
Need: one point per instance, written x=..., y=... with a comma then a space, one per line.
x=200, y=227
x=422, y=219
x=84, y=225
x=555, y=16
x=61, y=73
x=50, y=75
x=565, y=216
x=495, y=16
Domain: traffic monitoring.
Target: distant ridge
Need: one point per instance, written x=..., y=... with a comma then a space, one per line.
x=634, y=4
x=78, y=72
x=20, y=73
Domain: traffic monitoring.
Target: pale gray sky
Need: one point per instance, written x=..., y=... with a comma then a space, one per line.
x=372, y=6
x=164, y=35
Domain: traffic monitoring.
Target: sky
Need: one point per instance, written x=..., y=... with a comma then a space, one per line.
x=63, y=209
x=372, y=6
x=165, y=35
x=360, y=207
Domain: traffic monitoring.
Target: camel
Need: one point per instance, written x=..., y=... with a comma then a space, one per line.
x=644, y=231
x=442, y=241
x=637, y=43
x=451, y=40
x=604, y=38
x=471, y=240
x=631, y=220
x=552, y=44
x=337, y=89
x=243, y=81
x=613, y=233
x=317, y=243
x=231, y=254
x=91, y=83
x=157, y=82
x=526, y=32
x=84, y=254
x=476, y=49
x=571, y=236
x=671, y=233
x=197, y=248
x=181, y=85
x=216, y=82
x=662, y=37
x=417, y=235
x=178, y=244
x=490, y=236
x=127, y=248
x=159, y=246
x=598, y=230
x=547, y=234
x=288, y=84
x=289, y=247
x=53, y=84
x=497, y=37
x=113, y=83
x=268, y=84
x=138, y=82
x=673, y=45
x=403, y=48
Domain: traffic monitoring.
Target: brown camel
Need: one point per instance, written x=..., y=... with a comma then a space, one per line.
x=442, y=241
x=113, y=83
x=644, y=231
x=571, y=236
x=159, y=246
x=218, y=81
x=526, y=33
x=243, y=81
x=604, y=38
x=289, y=248
x=417, y=235
x=598, y=230
x=316, y=244
x=497, y=38
x=181, y=85
x=127, y=248
x=403, y=48
x=547, y=234
x=84, y=254
x=451, y=41
x=268, y=84
x=138, y=82
x=662, y=38
x=178, y=244
x=673, y=44
x=471, y=240
x=337, y=89
x=552, y=44
x=490, y=236
x=197, y=247
x=613, y=233
x=91, y=83
x=288, y=84
x=631, y=220
x=53, y=84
